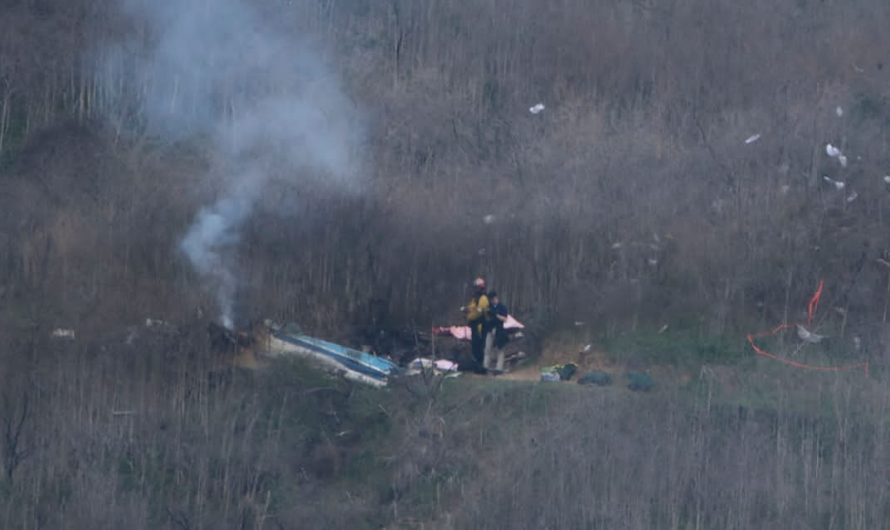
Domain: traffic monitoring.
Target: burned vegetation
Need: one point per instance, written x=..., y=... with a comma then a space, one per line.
x=685, y=204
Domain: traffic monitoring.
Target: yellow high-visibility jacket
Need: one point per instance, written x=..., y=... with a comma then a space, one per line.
x=476, y=311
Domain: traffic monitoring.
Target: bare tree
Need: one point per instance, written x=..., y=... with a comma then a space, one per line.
x=16, y=414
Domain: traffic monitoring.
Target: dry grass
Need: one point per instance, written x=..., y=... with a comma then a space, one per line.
x=630, y=203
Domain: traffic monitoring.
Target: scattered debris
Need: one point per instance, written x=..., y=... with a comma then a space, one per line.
x=653, y=262
x=587, y=348
x=61, y=333
x=852, y=197
x=151, y=323
x=839, y=111
x=225, y=339
x=808, y=336
x=352, y=364
x=488, y=219
x=834, y=152
x=887, y=179
x=595, y=377
x=578, y=323
x=857, y=343
x=463, y=332
x=438, y=366
x=537, y=108
x=445, y=365
x=458, y=332
x=805, y=335
x=838, y=184
x=663, y=329
x=558, y=372
x=753, y=138
x=784, y=189
x=421, y=363
x=619, y=244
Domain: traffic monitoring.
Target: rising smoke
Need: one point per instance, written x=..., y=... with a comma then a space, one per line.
x=262, y=96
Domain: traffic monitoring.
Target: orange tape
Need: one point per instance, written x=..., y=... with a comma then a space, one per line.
x=814, y=302
x=796, y=364
x=812, y=306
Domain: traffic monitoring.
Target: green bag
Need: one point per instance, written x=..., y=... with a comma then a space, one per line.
x=596, y=377
x=639, y=381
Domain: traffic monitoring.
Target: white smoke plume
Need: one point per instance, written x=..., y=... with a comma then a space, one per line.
x=264, y=97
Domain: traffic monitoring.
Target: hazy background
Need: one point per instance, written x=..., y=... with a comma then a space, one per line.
x=333, y=163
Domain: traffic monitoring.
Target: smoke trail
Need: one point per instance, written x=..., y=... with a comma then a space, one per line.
x=264, y=98
x=214, y=230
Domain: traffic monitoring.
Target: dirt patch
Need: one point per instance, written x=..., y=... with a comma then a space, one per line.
x=526, y=373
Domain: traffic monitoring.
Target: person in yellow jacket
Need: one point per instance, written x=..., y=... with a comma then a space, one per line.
x=476, y=312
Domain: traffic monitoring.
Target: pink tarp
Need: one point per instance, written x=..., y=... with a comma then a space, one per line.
x=512, y=323
x=463, y=332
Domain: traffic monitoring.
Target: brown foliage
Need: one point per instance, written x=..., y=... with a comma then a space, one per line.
x=631, y=201
x=641, y=144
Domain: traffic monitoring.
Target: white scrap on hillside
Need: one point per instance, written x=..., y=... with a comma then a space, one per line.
x=61, y=333
x=834, y=152
x=839, y=111
x=537, y=108
x=887, y=179
x=852, y=197
x=488, y=219
x=838, y=184
x=753, y=138
x=808, y=336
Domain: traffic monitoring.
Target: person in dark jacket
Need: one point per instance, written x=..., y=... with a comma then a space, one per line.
x=496, y=336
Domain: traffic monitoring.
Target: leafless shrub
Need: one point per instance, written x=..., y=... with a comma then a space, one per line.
x=632, y=198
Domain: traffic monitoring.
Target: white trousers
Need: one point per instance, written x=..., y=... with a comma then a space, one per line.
x=491, y=352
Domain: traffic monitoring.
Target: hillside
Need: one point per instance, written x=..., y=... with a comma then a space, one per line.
x=653, y=181
x=160, y=435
